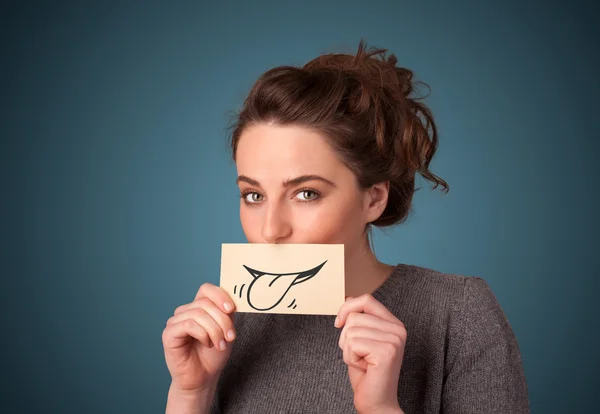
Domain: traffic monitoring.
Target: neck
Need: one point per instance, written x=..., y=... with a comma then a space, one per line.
x=364, y=273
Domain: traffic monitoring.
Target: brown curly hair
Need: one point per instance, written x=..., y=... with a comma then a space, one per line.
x=364, y=106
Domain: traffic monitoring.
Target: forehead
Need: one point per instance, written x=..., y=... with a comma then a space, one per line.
x=280, y=152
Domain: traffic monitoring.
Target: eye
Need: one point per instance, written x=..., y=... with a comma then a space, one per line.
x=308, y=195
x=252, y=197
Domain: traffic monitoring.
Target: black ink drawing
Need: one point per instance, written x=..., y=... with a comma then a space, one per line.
x=271, y=288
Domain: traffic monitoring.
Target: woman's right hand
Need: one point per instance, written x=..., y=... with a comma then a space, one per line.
x=193, y=338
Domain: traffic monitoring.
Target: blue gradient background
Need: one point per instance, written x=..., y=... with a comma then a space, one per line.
x=117, y=187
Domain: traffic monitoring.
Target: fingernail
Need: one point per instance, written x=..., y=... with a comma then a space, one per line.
x=337, y=320
x=222, y=345
x=230, y=335
x=228, y=307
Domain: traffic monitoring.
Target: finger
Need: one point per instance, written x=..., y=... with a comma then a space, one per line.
x=203, y=319
x=178, y=334
x=369, y=321
x=367, y=304
x=223, y=320
x=351, y=332
x=352, y=359
x=218, y=295
x=372, y=352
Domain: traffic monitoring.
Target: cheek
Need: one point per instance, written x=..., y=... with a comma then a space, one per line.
x=251, y=224
x=328, y=223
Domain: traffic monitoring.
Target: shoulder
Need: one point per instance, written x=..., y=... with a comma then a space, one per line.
x=428, y=286
x=465, y=306
x=466, y=294
x=443, y=284
x=447, y=298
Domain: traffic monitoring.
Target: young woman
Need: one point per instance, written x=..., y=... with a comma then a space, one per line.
x=323, y=153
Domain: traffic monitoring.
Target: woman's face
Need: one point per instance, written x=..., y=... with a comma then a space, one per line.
x=296, y=190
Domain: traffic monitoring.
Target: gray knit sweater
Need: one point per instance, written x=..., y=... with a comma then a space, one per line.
x=461, y=355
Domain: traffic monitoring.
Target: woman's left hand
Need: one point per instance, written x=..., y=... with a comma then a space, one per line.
x=373, y=341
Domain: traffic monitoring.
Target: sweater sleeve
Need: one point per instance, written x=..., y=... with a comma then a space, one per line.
x=485, y=372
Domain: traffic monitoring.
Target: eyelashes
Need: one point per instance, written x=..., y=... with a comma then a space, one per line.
x=244, y=196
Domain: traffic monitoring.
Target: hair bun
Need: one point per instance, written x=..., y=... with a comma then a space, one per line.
x=372, y=65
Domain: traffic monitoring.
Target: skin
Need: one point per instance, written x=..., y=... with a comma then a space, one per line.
x=294, y=189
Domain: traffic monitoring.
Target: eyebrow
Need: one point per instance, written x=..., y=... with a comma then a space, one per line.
x=287, y=183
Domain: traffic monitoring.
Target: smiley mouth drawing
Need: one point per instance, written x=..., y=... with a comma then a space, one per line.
x=267, y=290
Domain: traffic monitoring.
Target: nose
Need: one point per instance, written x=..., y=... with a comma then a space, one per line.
x=276, y=226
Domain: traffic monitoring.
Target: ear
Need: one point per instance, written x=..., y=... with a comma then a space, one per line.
x=376, y=199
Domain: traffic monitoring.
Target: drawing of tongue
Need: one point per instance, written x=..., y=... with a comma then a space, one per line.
x=267, y=290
